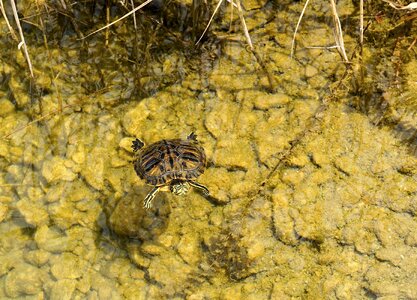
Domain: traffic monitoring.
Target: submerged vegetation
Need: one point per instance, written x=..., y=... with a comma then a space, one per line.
x=161, y=41
x=295, y=104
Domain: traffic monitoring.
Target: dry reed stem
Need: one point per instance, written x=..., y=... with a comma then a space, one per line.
x=231, y=15
x=361, y=24
x=242, y=21
x=22, y=37
x=338, y=32
x=134, y=16
x=3, y=12
x=340, y=45
x=209, y=23
x=106, y=43
x=296, y=27
x=411, y=6
x=114, y=22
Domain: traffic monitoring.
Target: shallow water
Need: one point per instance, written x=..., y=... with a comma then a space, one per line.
x=308, y=197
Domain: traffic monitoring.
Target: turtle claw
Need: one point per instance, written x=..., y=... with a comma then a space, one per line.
x=147, y=202
x=192, y=136
x=137, y=144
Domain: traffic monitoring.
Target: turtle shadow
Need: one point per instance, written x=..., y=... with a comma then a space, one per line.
x=125, y=221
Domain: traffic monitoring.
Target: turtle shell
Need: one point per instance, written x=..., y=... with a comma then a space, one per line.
x=162, y=162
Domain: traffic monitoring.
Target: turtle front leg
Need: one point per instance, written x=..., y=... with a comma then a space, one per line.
x=147, y=202
x=200, y=187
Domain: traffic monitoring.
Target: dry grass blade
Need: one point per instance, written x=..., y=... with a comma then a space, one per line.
x=296, y=27
x=22, y=37
x=125, y=16
x=338, y=32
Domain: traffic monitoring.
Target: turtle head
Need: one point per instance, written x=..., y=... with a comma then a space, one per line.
x=180, y=188
x=137, y=144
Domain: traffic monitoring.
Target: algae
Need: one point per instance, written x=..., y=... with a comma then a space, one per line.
x=313, y=190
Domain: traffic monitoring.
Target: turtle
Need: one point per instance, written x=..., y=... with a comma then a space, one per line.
x=170, y=164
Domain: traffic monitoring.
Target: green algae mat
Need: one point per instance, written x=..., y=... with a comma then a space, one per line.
x=311, y=161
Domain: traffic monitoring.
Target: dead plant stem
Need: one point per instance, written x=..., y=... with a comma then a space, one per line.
x=22, y=37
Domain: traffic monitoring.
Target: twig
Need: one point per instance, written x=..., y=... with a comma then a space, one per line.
x=22, y=37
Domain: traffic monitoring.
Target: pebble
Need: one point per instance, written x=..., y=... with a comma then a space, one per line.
x=4, y=209
x=52, y=241
x=68, y=265
x=24, y=279
x=63, y=289
x=94, y=172
x=126, y=144
x=57, y=169
x=34, y=213
x=5, y=107
x=233, y=151
x=188, y=248
x=37, y=257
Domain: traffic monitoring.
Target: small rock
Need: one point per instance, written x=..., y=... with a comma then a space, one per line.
x=311, y=71
x=293, y=176
x=52, y=241
x=220, y=118
x=189, y=248
x=169, y=271
x=37, y=257
x=5, y=107
x=4, y=209
x=24, y=279
x=107, y=289
x=135, y=118
x=68, y=265
x=63, y=289
x=253, y=4
x=152, y=248
x=268, y=101
x=255, y=250
x=126, y=144
x=233, y=151
x=94, y=171
x=64, y=214
x=34, y=213
x=79, y=154
x=57, y=169
x=219, y=181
